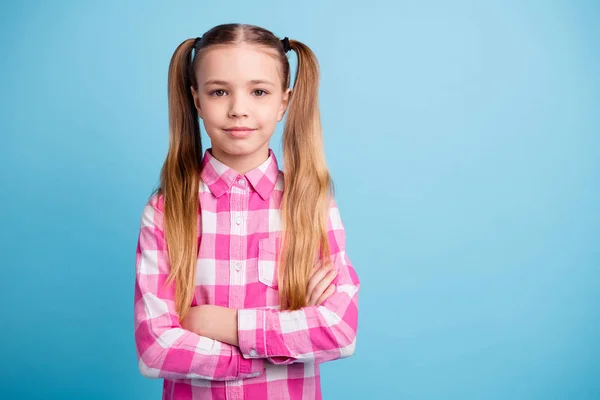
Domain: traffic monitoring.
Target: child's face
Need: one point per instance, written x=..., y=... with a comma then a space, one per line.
x=237, y=101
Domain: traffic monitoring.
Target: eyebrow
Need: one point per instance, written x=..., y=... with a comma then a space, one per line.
x=252, y=82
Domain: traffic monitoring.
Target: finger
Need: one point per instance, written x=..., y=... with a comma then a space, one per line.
x=314, y=269
x=322, y=285
x=312, y=282
x=318, y=265
x=330, y=290
x=316, y=278
x=307, y=301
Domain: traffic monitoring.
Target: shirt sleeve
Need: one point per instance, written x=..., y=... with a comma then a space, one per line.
x=311, y=334
x=164, y=348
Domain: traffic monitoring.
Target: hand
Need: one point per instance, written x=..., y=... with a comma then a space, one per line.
x=319, y=284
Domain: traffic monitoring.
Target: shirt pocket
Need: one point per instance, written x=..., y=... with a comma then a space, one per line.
x=268, y=250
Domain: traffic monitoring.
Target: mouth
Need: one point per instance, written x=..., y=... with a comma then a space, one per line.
x=240, y=132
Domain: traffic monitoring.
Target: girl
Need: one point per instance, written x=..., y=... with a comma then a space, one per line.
x=243, y=285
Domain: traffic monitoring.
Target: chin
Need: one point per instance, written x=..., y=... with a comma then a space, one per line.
x=240, y=149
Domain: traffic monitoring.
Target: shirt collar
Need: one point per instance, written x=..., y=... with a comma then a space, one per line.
x=219, y=177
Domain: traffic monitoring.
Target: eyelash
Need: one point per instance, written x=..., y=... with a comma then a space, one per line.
x=222, y=90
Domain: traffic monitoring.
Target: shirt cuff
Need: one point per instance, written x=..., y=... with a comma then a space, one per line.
x=252, y=367
x=251, y=333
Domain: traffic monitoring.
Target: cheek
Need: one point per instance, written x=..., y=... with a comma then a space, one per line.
x=269, y=113
x=208, y=109
x=213, y=109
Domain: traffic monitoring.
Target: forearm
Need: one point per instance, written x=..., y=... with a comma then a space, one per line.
x=216, y=322
x=316, y=333
x=310, y=334
x=166, y=349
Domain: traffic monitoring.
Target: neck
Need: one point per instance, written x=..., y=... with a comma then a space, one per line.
x=241, y=163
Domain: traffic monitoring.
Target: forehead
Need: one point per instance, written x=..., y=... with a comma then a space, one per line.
x=238, y=63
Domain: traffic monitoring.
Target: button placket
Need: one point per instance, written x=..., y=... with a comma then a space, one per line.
x=237, y=246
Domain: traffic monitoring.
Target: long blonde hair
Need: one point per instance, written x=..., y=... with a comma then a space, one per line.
x=307, y=182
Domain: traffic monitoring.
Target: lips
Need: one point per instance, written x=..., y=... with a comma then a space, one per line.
x=240, y=132
x=239, y=128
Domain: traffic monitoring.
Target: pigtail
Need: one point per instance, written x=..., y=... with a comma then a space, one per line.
x=180, y=177
x=308, y=185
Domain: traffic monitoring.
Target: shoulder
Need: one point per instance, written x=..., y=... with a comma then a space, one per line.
x=157, y=201
x=153, y=211
x=279, y=181
x=335, y=218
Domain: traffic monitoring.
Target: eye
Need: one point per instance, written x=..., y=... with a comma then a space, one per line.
x=260, y=91
x=217, y=92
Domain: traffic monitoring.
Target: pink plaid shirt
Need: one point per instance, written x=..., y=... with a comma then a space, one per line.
x=279, y=351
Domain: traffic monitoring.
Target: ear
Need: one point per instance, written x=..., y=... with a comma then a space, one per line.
x=285, y=101
x=196, y=97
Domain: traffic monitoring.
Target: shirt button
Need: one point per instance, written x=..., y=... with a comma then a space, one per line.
x=253, y=352
x=241, y=181
x=238, y=265
x=238, y=219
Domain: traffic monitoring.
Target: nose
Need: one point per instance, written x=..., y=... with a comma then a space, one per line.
x=238, y=107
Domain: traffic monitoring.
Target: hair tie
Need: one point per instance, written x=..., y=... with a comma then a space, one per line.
x=286, y=44
x=198, y=39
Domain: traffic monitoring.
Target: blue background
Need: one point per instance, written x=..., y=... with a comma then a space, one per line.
x=464, y=141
